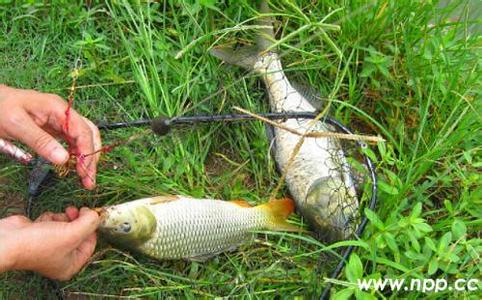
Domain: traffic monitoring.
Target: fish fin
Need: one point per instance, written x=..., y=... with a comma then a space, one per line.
x=241, y=202
x=265, y=38
x=277, y=211
x=202, y=258
x=163, y=199
x=310, y=94
x=270, y=135
x=245, y=57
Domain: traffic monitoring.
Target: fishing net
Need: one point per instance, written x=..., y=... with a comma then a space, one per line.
x=348, y=180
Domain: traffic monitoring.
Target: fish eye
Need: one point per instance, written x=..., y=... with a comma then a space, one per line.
x=126, y=227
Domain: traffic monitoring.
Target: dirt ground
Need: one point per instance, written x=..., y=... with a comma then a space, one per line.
x=11, y=202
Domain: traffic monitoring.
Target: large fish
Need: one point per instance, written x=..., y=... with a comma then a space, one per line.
x=319, y=177
x=179, y=227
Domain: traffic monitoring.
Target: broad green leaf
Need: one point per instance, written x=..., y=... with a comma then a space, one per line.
x=369, y=152
x=448, y=206
x=454, y=257
x=390, y=240
x=382, y=148
x=416, y=211
x=374, y=219
x=361, y=295
x=354, y=269
x=444, y=242
x=368, y=69
x=387, y=188
x=414, y=255
x=392, y=264
x=413, y=240
x=472, y=252
x=430, y=244
x=207, y=3
x=458, y=229
x=423, y=227
x=343, y=294
x=432, y=266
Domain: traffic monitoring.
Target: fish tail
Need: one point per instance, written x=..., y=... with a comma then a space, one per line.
x=277, y=211
x=265, y=38
x=248, y=56
x=245, y=57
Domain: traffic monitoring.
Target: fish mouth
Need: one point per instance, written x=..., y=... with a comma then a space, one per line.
x=103, y=213
x=100, y=210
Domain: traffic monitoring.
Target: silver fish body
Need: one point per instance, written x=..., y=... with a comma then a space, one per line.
x=319, y=177
x=178, y=227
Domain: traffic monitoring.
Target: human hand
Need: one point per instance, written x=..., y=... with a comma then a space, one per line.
x=36, y=119
x=55, y=245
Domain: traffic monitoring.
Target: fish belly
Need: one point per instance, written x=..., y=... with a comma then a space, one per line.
x=314, y=159
x=197, y=229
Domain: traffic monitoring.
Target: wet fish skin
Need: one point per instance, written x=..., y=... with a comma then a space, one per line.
x=179, y=227
x=319, y=178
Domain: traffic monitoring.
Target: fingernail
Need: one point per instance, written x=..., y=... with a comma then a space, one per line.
x=92, y=174
x=59, y=156
x=88, y=183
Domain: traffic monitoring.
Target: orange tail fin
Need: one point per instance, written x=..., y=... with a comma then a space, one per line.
x=277, y=211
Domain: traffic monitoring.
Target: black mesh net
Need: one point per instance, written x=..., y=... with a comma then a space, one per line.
x=325, y=175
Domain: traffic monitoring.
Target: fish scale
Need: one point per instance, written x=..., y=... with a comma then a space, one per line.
x=179, y=227
x=318, y=158
x=206, y=225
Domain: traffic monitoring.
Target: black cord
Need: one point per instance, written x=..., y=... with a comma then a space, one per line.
x=189, y=120
x=40, y=172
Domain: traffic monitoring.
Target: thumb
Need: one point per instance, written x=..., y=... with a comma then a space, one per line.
x=84, y=225
x=84, y=252
x=28, y=132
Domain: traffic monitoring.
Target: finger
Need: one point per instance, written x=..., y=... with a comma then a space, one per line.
x=14, y=222
x=84, y=225
x=46, y=216
x=72, y=213
x=84, y=251
x=23, y=128
x=50, y=216
x=60, y=217
x=97, y=146
x=81, y=137
x=78, y=134
x=96, y=137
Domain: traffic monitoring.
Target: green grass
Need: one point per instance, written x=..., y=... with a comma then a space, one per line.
x=406, y=70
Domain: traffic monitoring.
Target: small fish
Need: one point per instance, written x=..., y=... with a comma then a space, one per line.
x=179, y=227
x=319, y=178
